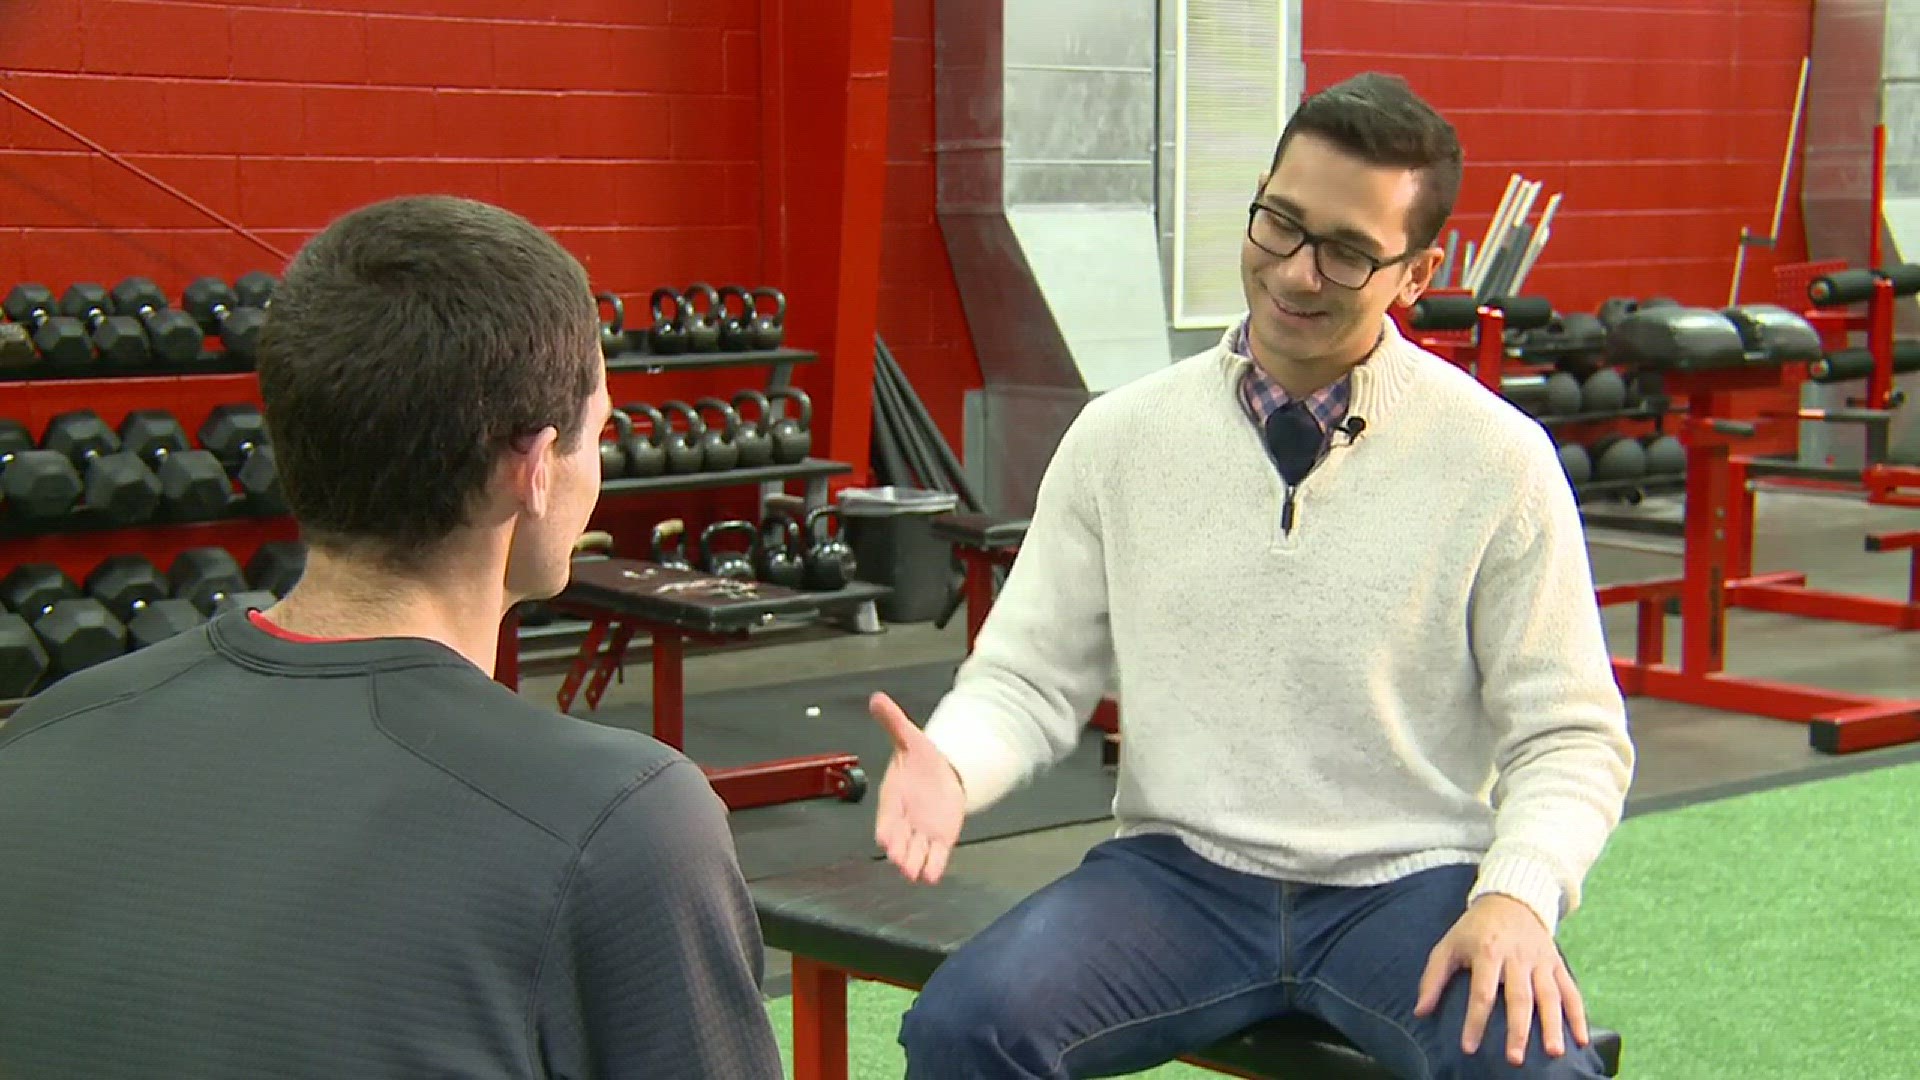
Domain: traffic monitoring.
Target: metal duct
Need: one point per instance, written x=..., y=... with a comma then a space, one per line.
x=1045, y=118
x=1865, y=68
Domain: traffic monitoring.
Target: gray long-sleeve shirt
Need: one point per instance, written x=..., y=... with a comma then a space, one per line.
x=240, y=855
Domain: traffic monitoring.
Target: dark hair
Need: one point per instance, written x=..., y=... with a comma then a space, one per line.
x=1379, y=118
x=405, y=347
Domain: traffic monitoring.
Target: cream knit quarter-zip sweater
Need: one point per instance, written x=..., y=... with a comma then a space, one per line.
x=1412, y=675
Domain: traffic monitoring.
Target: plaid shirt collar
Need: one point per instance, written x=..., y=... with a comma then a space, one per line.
x=1262, y=397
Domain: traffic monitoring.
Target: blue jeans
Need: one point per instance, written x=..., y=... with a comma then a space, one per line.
x=1146, y=952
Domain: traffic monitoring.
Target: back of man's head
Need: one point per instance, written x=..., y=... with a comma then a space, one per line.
x=406, y=345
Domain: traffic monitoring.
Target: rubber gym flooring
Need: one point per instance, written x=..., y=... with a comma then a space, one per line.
x=1753, y=917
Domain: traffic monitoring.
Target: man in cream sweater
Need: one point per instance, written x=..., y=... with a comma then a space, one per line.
x=1373, y=741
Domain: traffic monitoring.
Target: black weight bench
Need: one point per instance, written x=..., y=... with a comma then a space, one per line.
x=862, y=920
x=622, y=597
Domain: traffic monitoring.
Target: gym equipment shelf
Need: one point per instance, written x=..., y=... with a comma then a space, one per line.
x=654, y=364
x=211, y=362
x=810, y=469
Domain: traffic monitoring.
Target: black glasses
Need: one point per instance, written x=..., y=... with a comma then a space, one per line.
x=1339, y=262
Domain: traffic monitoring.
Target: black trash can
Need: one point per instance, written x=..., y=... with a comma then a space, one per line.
x=891, y=532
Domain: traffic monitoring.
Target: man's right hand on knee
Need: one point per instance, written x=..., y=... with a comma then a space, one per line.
x=921, y=800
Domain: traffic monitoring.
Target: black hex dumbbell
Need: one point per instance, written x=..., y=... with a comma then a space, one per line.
x=173, y=335
x=23, y=660
x=211, y=579
x=119, y=338
x=237, y=435
x=255, y=288
x=60, y=339
x=135, y=591
x=37, y=487
x=17, y=354
x=218, y=310
x=78, y=632
x=193, y=484
x=277, y=565
x=118, y=484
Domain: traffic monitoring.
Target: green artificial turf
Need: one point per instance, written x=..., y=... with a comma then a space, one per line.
x=1773, y=934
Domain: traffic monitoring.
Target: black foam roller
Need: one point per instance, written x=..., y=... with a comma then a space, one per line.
x=1445, y=313
x=1845, y=365
x=1524, y=312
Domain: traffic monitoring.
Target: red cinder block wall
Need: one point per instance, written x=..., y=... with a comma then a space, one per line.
x=629, y=128
x=1663, y=130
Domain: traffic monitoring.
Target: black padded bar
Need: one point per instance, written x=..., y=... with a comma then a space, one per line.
x=863, y=916
x=696, y=602
x=1524, y=312
x=1853, y=286
x=1845, y=365
x=982, y=531
x=1444, y=313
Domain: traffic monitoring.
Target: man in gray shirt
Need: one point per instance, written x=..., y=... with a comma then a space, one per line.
x=319, y=840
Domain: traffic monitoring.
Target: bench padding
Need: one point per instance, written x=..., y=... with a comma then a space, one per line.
x=864, y=917
x=685, y=600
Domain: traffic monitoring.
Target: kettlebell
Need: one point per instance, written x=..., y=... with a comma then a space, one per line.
x=613, y=335
x=669, y=545
x=829, y=561
x=646, y=454
x=668, y=335
x=736, y=330
x=1576, y=464
x=737, y=565
x=702, y=327
x=719, y=444
x=778, y=561
x=769, y=330
x=755, y=442
x=613, y=452
x=792, y=436
x=685, y=452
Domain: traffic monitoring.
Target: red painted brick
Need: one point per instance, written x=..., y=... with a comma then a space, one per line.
x=610, y=12
x=173, y=39
x=740, y=61
x=124, y=200
x=660, y=195
x=698, y=60
x=429, y=52
x=468, y=179
x=557, y=57
x=301, y=193
x=641, y=58
x=299, y=46
x=355, y=121
x=478, y=124
x=733, y=15
x=47, y=190
x=233, y=118
x=560, y=193
x=42, y=35
x=913, y=20
x=117, y=113
x=715, y=128
x=623, y=126
x=10, y=244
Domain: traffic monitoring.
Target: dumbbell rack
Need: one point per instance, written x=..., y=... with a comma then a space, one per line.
x=1437, y=324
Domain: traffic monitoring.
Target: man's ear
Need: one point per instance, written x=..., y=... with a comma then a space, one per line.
x=1420, y=273
x=529, y=470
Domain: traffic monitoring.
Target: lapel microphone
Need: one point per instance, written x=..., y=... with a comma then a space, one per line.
x=1294, y=439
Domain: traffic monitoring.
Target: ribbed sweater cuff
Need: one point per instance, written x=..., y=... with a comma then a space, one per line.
x=989, y=769
x=1530, y=880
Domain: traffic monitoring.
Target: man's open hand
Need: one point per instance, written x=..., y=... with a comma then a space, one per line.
x=1506, y=948
x=921, y=801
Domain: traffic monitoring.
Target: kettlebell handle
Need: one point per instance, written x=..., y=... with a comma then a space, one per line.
x=622, y=424
x=788, y=529
x=713, y=301
x=619, y=322
x=662, y=295
x=815, y=516
x=759, y=402
x=723, y=528
x=799, y=398
x=658, y=427
x=696, y=427
x=766, y=292
x=728, y=415
x=746, y=301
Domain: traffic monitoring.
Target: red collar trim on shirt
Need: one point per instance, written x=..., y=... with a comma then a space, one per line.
x=260, y=620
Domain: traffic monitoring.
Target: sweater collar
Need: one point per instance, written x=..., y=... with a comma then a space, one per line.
x=1378, y=383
